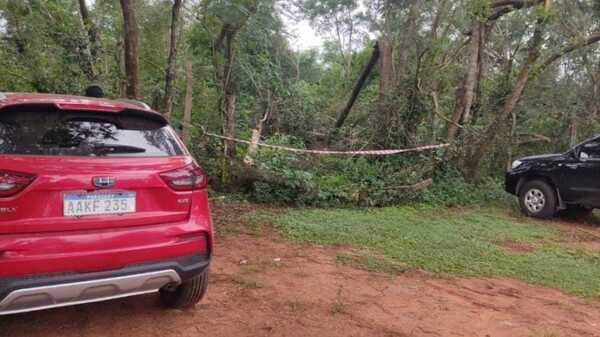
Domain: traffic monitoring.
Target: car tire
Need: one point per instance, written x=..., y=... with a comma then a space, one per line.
x=186, y=294
x=538, y=199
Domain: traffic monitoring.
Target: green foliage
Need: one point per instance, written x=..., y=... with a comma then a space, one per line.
x=42, y=48
x=340, y=181
x=465, y=242
x=478, y=9
x=451, y=189
x=286, y=166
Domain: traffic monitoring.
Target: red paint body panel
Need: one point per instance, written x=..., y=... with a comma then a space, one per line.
x=67, y=102
x=36, y=237
x=39, y=206
x=106, y=249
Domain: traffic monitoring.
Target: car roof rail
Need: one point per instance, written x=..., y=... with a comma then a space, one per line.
x=136, y=102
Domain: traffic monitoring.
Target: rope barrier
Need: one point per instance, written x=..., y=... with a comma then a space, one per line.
x=322, y=152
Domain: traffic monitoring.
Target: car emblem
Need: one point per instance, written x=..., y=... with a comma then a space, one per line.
x=4, y=210
x=104, y=182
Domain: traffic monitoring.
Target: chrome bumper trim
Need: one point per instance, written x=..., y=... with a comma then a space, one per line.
x=61, y=295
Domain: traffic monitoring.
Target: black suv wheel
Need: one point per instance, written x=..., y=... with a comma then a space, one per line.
x=186, y=294
x=537, y=199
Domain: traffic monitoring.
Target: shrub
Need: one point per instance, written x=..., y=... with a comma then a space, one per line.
x=451, y=189
x=333, y=181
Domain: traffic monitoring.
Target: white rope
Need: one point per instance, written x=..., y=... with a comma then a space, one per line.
x=323, y=152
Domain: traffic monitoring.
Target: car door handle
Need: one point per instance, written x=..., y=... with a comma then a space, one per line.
x=571, y=166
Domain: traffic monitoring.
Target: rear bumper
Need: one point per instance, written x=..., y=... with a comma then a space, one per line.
x=86, y=251
x=30, y=293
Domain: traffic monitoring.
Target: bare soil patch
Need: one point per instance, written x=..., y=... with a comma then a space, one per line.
x=263, y=286
x=583, y=233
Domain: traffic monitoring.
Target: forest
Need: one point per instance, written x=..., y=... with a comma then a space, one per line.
x=495, y=79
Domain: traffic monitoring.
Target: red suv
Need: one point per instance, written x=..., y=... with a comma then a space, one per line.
x=99, y=199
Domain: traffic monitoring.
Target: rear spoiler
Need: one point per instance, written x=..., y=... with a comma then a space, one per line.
x=136, y=102
x=141, y=112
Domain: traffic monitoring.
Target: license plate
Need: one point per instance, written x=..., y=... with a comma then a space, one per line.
x=82, y=204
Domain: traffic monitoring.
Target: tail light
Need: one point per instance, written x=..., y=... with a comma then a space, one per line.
x=12, y=183
x=188, y=178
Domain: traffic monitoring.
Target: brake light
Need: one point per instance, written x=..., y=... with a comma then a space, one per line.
x=188, y=178
x=12, y=183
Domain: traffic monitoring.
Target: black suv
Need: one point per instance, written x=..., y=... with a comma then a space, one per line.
x=567, y=182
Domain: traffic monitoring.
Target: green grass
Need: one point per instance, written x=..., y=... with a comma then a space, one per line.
x=371, y=262
x=452, y=241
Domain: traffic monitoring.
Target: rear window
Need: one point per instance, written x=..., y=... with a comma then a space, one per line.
x=52, y=132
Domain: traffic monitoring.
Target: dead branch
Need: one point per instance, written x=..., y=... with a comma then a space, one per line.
x=535, y=138
x=358, y=87
x=425, y=184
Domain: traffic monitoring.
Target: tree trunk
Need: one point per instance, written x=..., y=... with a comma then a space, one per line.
x=257, y=132
x=512, y=142
x=230, y=123
x=92, y=44
x=408, y=34
x=413, y=114
x=528, y=70
x=473, y=160
x=465, y=94
x=573, y=128
x=473, y=114
x=223, y=57
x=131, y=49
x=503, y=7
x=386, y=84
x=187, y=109
x=433, y=117
x=92, y=30
x=358, y=87
x=594, y=104
x=439, y=15
x=171, y=61
x=229, y=87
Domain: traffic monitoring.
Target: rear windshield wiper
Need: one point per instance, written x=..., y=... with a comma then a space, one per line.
x=107, y=149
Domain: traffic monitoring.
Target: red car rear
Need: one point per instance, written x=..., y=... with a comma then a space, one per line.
x=99, y=199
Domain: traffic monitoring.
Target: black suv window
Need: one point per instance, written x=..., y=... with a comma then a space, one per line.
x=52, y=132
x=590, y=150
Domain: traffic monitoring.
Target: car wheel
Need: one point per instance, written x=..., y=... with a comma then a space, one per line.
x=538, y=199
x=186, y=294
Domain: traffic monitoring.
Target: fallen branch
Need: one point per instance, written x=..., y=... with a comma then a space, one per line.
x=595, y=37
x=245, y=177
x=358, y=87
x=388, y=152
x=333, y=152
x=436, y=107
x=535, y=138
x=503, y=7
x=413, y=188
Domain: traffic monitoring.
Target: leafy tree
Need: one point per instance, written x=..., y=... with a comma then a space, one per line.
x=497, y=79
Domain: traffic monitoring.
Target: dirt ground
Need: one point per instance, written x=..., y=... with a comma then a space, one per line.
x=263, y=286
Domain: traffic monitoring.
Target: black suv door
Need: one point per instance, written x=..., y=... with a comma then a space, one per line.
x=580, y=181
